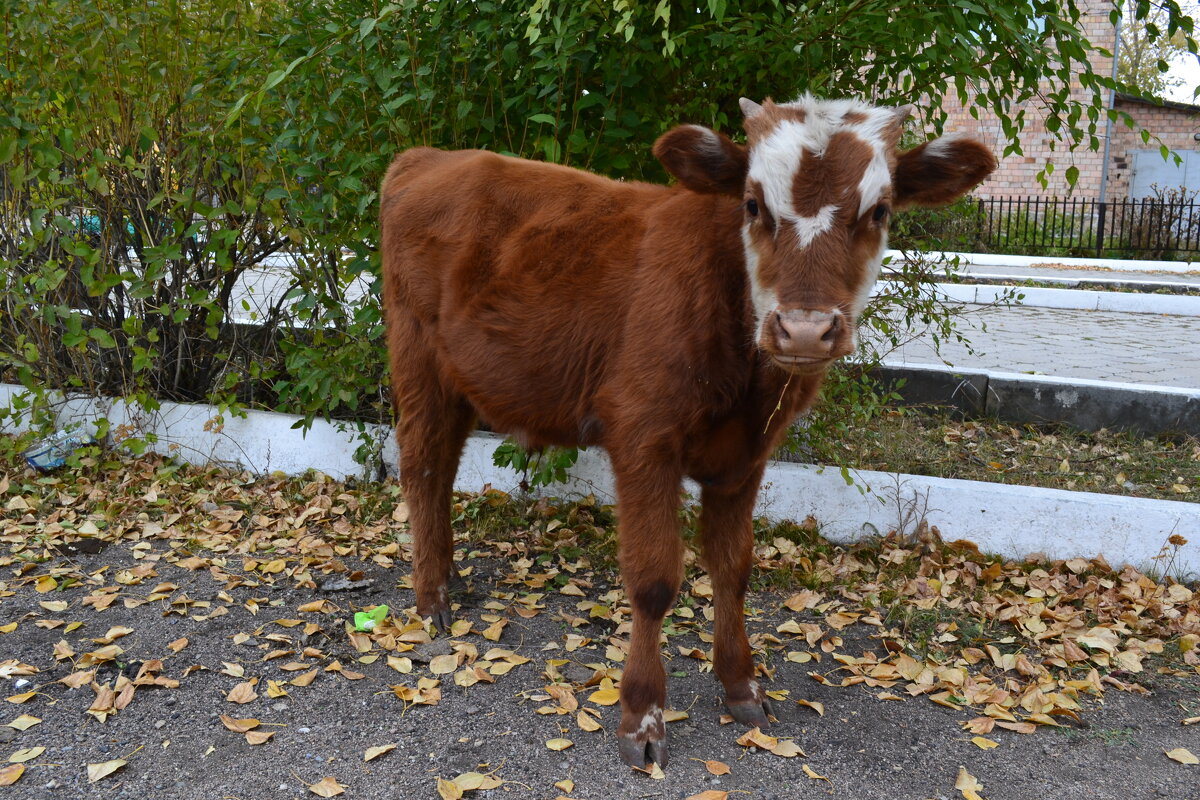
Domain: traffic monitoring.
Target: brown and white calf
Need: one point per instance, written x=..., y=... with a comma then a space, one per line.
x=683, y=328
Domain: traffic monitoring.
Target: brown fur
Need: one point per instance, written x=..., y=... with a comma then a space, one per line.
x=569, y=309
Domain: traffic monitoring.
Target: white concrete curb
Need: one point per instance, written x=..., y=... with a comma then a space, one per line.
x=1066, y=387
x=1012, y=521
x=998, y=260
x=1072, y=299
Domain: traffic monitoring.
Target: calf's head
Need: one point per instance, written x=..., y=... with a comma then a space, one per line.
x=819, y=181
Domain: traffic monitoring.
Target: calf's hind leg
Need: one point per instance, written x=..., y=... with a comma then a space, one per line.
x=432, y=429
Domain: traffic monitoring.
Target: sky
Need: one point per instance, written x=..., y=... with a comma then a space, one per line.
x=1188, y=68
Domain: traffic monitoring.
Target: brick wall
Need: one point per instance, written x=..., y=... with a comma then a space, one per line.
x=1175, y=124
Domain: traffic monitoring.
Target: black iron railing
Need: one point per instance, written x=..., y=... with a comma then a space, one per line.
x=1153, y=227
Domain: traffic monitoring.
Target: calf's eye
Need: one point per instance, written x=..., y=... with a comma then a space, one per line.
x=752, y=207
x=881, y=211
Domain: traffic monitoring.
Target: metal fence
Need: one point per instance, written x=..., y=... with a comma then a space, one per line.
x=1150, y=228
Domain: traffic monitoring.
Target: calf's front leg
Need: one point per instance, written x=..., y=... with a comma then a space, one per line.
x=727, y=548
x=651, y=555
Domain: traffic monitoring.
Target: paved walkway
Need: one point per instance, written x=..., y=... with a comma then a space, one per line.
x=1152, y=349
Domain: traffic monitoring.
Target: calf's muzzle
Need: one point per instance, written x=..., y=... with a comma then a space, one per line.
x=801, y=337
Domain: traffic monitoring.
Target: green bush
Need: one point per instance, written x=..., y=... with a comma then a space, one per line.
x=128, y=210
x=152, y=155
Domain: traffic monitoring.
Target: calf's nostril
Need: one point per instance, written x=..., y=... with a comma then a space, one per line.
x=782, y=328
x=831, y=333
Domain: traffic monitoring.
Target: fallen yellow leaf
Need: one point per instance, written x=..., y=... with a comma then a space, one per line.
x=471, y=781
x=259, y=737
x=968, y=785
x=327, y=787
x=448, y=790
x=1182, y=755
x=375, y=752
x=756, y=738
x=984, y=743
x=716, y=767
x=709, y=794
x=606, y=695
x=587, y=723
x=242, y=693
x=787, y=749
x=559, y=744
x=814, y=705
x=24, y=722
x=11, y=774
x=102, y=770
x=27, y=754
x=305, y=679
x=813, y=775
x=444, y=664
x=239, y=725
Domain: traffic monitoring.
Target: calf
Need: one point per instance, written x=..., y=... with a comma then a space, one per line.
x=683, y=328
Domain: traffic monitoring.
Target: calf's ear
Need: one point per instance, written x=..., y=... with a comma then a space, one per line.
x=703, y=160
x=940, y=171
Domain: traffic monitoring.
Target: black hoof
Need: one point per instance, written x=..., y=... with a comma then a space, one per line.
x=751, y=713
x=442, y=620
x=641, y=754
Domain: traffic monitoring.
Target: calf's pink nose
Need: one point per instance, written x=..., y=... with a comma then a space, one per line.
x=804, y=333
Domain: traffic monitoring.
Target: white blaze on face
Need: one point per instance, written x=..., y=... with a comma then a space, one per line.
x=775, y=161
x=762, y=297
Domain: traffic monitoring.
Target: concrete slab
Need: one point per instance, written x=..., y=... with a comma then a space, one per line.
x=1122, y=347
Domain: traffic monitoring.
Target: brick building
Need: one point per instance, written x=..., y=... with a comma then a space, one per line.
x=1134, y=165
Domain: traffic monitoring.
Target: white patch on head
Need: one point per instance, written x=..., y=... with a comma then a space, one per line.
x=809, y=228
x=775, y=160
x=762, y=297
x=870, y=276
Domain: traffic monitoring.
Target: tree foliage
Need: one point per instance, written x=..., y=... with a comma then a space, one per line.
x=1146, y=49
x=153, y=155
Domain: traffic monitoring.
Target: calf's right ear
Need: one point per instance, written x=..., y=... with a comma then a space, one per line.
x=703, y=160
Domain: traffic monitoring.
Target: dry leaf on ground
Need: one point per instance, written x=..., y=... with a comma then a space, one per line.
x=376, y=752
x=102, y=770
x=1182, y=755
x=327, y=787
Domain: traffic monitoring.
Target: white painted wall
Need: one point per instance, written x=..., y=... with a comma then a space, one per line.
x=1012, y=521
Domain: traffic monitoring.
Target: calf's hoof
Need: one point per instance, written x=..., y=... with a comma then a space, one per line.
x=751, y=713
x=437, y=607
x=639, y=752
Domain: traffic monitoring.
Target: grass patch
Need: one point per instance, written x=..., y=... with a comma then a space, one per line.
x=934, y=442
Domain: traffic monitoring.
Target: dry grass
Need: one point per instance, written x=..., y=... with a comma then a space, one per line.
x=1057, y=457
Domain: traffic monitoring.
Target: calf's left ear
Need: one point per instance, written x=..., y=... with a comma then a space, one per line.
x=703, y=160
x=940, y=171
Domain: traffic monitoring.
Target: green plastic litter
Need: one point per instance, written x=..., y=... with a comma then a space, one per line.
x=369, y=620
